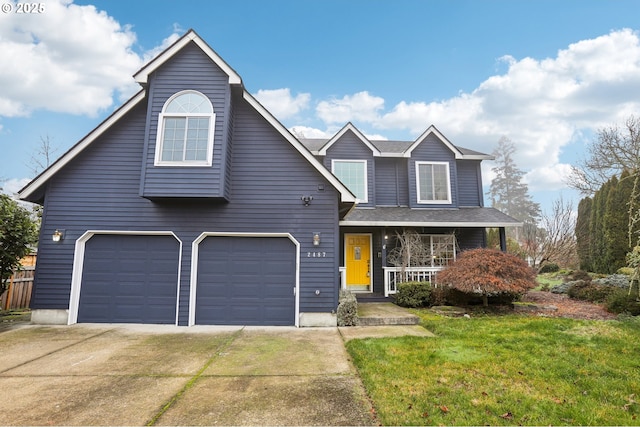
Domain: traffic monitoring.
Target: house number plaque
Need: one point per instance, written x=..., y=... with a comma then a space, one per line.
x=316, y=254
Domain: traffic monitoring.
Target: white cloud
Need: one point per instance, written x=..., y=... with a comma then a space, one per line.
x=542, y=105
x=548, y=178
x=280, y=102
x=357, y=107
x=12, y=186
x=70, y=59
x=310, y=133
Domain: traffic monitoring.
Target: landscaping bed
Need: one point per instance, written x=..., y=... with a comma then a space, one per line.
x=566, y=307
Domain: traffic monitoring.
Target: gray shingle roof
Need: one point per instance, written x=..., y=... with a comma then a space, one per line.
x=429, y=217
x=384, y=146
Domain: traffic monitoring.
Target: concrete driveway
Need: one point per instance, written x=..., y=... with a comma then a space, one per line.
x=159, y=375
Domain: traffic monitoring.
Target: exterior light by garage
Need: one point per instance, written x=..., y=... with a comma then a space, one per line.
x=306, y=200
x=316, y=239
x=57, y=235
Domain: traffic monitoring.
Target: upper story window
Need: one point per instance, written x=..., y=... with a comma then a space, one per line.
x=433, y=184
x=185, y=131
x=353, y=174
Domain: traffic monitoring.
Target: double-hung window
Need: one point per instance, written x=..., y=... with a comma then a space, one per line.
x=432, y=182
x=353, y=174
x=185, y=131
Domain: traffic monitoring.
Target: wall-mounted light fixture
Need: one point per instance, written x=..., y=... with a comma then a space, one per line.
x=316, y=239
x=306, y=200
x=57, y=235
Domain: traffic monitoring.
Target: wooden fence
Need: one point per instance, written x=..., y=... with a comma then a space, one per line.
x=20, y=285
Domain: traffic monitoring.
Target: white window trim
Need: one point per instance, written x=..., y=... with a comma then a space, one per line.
x=433, y=202
x=160, y=132
x=366, y=177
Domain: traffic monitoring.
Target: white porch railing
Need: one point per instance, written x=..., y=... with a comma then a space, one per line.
x=395, y=275
x=343, y=277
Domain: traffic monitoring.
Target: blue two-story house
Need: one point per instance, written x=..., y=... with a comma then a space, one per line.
x=191, y=204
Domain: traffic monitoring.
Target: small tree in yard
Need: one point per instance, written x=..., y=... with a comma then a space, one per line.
x=488, y=272
x=17, y=233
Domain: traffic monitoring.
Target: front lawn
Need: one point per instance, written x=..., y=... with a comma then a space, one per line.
x=505, y=370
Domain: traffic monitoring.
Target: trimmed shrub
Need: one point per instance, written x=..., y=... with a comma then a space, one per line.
x=620, y=302
x=413, y=294
x=347, y=309
x=549, y=268
x=439, y=295
x=589, y=291
x=563, y=288
x=579, y=275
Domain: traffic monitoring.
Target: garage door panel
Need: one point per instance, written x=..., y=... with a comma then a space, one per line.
x=246, y=281
x=129, y=279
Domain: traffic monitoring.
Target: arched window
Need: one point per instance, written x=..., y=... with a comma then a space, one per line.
x=185, y=131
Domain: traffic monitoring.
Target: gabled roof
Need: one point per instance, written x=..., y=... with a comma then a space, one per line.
x=30, y=191
x=348, y=127
x=458, y=152
x=389, y=148
x=142, y=76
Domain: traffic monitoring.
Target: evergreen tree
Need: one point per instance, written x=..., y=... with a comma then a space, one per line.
x=615, y=224
x=583, y=236
x=507, y=191
x=596, y=228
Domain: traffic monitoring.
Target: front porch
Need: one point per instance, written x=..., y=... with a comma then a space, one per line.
x=392, y=277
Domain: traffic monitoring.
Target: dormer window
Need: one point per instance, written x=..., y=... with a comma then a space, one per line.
x=432, y=179
x=185, y=131
x=353, y=174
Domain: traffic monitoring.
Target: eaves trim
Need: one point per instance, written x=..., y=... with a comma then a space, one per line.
x=349, y=126
x=142, y=76
x=345, y=195
x=433, y=130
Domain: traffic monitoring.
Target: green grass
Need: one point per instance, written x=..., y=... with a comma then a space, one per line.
x=505, y=370
x=548, y=279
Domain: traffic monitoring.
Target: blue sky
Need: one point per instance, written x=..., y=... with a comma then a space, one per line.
x=545, y=74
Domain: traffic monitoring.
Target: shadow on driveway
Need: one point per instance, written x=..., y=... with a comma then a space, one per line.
x=158, y=375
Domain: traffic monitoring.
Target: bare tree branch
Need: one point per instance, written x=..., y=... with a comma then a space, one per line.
x=43, y=156
x=615, y=149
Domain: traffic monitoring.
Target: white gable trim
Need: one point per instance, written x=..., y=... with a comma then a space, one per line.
x=337, y=136
x=142, y=76
x=345, y=194
x=432, y=130
x=30, y=188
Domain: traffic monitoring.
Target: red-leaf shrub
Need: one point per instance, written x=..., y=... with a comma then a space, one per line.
x=488, y=272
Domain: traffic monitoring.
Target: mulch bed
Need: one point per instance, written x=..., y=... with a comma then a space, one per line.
x=565, y=307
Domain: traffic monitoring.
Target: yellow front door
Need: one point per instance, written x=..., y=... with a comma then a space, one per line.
x=358, y=261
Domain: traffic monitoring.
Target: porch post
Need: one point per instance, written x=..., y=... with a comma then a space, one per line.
x=503, y=239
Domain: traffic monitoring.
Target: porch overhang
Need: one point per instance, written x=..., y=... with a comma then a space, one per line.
x=466, y=217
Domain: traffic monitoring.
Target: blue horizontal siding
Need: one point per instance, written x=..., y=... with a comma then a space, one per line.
x=432, y=150
x=469, y=183
x=99, y=190
x=190, y=69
